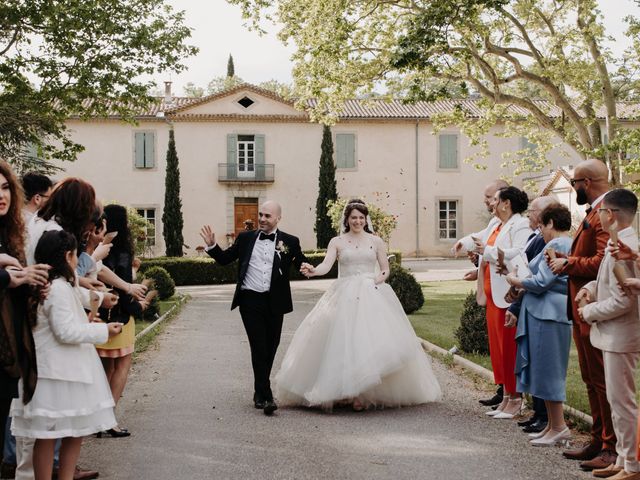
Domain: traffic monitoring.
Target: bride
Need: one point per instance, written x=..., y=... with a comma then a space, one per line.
x=356, y=346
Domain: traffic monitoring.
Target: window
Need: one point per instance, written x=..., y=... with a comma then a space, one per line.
x=145, y=149
x=149, y=214
x=246, y=155
x=448, y=151
x=448, y=219
x=525, y=144
x=246, y=102
x=345, y=150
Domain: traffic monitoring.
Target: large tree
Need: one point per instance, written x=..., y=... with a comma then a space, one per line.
x=172, y=220
x=79, y=58
x=326, y=191
x=541, y=67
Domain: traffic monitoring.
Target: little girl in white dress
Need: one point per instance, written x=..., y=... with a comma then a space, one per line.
x=72, y=398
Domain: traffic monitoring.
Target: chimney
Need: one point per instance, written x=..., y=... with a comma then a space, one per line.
x=168, y=97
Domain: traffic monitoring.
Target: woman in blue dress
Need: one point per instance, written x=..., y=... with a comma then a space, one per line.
x=543, y=334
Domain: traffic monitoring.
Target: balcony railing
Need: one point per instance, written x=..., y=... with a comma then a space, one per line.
x=262, y=173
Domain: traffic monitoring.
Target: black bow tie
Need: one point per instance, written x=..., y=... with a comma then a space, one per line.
x=588, y=210
x=270, y=236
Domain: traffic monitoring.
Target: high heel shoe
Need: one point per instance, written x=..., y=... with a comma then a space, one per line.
x=499, y=408
x=541, y=434
x=550, y=440
x=508, y=412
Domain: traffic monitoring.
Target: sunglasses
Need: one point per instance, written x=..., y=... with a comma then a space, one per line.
x=573, y=181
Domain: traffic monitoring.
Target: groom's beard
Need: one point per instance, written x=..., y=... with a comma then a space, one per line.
x=581, y=196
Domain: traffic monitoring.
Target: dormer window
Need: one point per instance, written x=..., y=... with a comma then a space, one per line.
x=246, y=102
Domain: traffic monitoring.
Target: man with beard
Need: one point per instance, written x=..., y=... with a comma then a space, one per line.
x=590, y=181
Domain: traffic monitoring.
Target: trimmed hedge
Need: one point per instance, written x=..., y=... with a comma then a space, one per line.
x=204, y=271
x=162, y=281
x=472, y=332
x=407, y=288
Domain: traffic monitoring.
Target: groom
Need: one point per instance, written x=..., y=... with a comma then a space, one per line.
x=262, y=292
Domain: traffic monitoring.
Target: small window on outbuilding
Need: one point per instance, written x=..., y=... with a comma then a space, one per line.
x=246, y=102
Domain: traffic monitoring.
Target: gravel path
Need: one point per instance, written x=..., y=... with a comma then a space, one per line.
x=188, y=404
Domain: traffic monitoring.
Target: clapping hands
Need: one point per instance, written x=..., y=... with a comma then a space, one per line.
x=307, y=270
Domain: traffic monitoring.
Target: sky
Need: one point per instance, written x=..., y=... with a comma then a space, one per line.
x=218, y=31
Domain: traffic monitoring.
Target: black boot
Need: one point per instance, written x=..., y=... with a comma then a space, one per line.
x=495, y=400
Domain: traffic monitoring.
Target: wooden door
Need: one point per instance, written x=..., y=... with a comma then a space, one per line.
x=245, y=209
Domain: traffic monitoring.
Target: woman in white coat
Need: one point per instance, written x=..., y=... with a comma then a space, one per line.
x=509, y=235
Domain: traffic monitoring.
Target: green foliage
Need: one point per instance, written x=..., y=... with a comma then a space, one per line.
x=327, y=191
x=231, y=69
x=472, y=332
x=79, y=58
x=152, y=311
x=383, y=223
x=141, y=231
x=544, y=68
x=162, y=281
x=406, y=287
x=172, y=221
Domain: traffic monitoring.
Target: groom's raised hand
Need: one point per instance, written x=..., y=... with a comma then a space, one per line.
x=208, y=235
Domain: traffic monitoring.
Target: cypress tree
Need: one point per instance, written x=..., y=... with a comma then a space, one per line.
x=326, y=191
x=231, y=70
x=172, y=221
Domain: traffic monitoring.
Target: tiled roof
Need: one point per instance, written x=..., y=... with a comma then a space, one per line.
x=358, y=109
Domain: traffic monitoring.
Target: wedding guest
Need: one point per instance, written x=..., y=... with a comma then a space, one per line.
x=615, y=330
x=37, y=189
x=538, y=421
x=590, y=182
x=117, y=353
x=466, y=244
x=17, y=350
x=73, y=397
x=543, y=332
x=69, y=208
x=509, y=235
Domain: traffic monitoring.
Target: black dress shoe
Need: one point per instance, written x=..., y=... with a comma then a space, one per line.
x=526, y=423
x=260, y=404
x=270, y=407
x=495, y=400
x=123, y=432
x=536, y=427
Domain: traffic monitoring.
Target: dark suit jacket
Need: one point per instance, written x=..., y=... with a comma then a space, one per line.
x=586, y=255
x=532, y=251
x=280, y=290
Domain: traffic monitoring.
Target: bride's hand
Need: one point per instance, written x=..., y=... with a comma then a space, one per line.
x=307, y=269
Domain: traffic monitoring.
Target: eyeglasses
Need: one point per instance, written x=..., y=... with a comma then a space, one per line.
x=608, y=209
x=573, y=181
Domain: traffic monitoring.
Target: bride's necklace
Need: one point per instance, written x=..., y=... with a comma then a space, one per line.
x=359, y=241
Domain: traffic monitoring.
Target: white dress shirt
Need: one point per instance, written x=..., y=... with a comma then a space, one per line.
x=258, y=276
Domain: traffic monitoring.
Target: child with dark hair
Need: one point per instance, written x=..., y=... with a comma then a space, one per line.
x=73, y=398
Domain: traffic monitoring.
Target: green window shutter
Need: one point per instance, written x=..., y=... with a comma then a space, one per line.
x=232, y=155
x=345, y=150
x=139, y=149
x=259, y=157
x=448, y=151
x=149, y=149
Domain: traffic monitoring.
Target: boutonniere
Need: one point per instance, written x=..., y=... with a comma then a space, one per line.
x=281, y=248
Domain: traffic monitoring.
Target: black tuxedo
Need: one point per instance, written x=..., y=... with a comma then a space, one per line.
x=262, y=312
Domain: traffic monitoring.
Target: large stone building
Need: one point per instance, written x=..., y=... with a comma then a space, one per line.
x=245, y=145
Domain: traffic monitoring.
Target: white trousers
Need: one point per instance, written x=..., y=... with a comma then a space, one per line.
x=619, y=370
x=24, y=458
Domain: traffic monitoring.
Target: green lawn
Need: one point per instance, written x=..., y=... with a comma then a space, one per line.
x=439, y=318
x=164, y=306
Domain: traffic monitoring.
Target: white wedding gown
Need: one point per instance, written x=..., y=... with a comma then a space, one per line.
x=356, y=343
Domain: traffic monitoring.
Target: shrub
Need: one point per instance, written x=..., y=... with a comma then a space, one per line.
x=163, y=282
x=406, y=287
x=204, y=271
x=472, y=333
x=152, y=312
